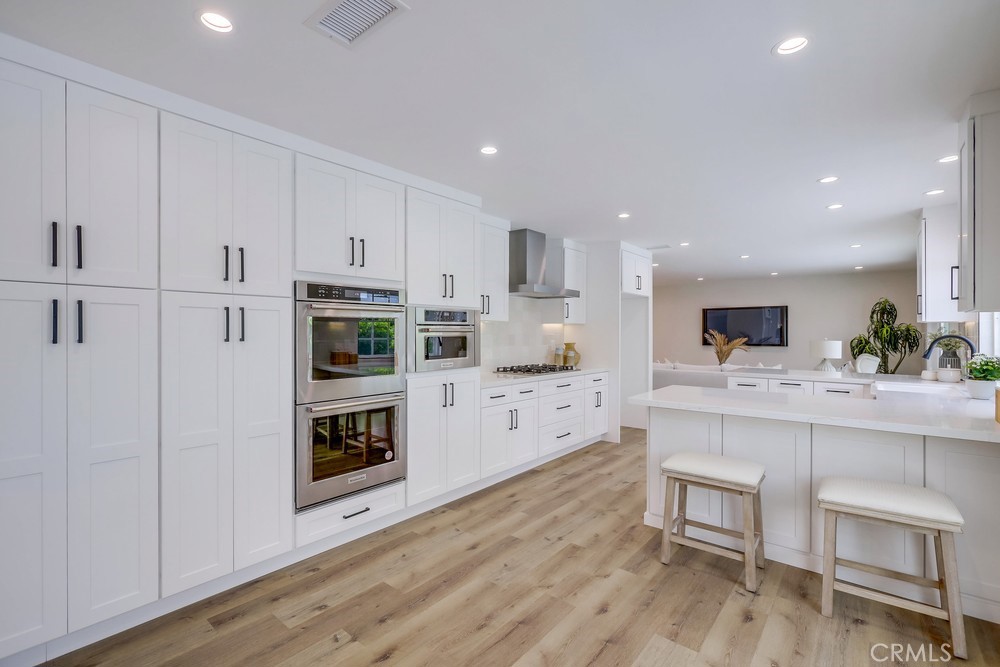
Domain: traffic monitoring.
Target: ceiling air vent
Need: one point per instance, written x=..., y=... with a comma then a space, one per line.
x=347, y=20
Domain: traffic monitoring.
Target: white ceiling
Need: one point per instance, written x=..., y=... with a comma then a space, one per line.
x=675, y=111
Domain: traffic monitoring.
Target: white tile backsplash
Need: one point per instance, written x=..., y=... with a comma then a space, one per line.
x=530, y=336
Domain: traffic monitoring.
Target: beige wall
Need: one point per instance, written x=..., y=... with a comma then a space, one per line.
x=822, y=306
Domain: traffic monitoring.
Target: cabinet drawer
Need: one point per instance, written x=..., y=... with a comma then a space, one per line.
x=748, y=384
x=561, y=385
x=558, y=436
x=342, y=515
x=790, y=386
x=552, y=409
x=496, y=396
x=524, y=391
x=597, y=379
x=844, y=389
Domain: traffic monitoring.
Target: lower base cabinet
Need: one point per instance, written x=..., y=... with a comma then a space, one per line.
x=509, y=436
x=442, y=434
x=595, y=405
x=227, y=436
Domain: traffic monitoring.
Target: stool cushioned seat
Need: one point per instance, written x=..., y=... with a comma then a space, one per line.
x=904, y=502
x=711, y=466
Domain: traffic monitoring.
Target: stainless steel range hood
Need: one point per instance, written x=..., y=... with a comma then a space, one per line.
x=529, y=275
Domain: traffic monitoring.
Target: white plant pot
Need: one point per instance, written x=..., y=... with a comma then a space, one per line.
x=981, y=389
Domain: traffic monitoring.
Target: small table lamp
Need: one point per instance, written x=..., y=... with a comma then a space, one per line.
x=828, y=349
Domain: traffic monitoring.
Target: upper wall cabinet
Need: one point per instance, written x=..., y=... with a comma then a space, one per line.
x=492, y=267
x=348, y=223
x=225, y=211
x=441, y=243
x=77, y=182
x=937, y=266
x=575, y=277
x=979, y=157
x=637, y=274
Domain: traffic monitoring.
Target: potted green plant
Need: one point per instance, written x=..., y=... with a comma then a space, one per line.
x=884, y=338
x=984, y=371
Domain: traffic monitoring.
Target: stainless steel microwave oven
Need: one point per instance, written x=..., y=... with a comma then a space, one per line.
x=440, y=338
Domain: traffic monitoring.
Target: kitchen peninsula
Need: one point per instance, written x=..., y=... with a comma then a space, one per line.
x=948, y=444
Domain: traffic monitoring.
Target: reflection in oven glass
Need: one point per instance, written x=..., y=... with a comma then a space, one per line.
x=344, y=347
x=352, y=441
x=446, y=347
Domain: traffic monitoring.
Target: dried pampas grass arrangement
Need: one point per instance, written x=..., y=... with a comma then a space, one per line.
x=723, y=346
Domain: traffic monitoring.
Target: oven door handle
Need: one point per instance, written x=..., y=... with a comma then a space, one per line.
x=373, y=307
x=353, y=404
x=448, y=330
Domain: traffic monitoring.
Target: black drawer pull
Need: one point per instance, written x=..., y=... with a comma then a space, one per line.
x=349, y=516
x=499, y=396
x=561, y=386
x=563, y=435
x=563, y=407
x=742, y=384
x=597, y=380
x=790, y=384
x=838, y=391
x=527, y=391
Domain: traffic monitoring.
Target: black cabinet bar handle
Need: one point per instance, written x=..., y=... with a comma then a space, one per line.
x=79, y=320
x=243, y=324
x=487, y=304
x=790, y=384
x=79, y=246
x=597, y=380
x=348, y=516
x=498, y=396
x=226, y=339
x=837, y=391
x=517, y=421
x=452, y=385
x=527, y=391
x=560, y=386
x=482, y=304
x=243, y=268
x=362, y=253
x=567, y=310
x=55, y=243
x=597, y=395
x=954, y=282
x=352, y=251
x=444, y=385
x=741, y=384
x=55, y=321
x=445, y=276
x=225, y=260
x=563, y=435
x=510, y=419
x=563, y=407
x=452, y=276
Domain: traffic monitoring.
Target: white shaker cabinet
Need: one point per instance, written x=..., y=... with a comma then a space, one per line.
x=595, y=415
x=937, y=265
x=575, y=277
x=347, y=222
x=32, y=175
x=492, y=268
x=442, y=427
x=637, y=274
x=225, y=211
x=979, y=159
x=509, y=435
x=441, y=250
x=211, y=343
x=112, y=192
x=33, y=349
x=113, y=452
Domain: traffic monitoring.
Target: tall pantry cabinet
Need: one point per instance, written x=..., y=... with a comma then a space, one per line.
x=78, y=421
x=226, y=443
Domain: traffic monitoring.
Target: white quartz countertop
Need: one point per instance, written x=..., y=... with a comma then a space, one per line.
x=811, y=376
x=488, y=379
x=966, y=419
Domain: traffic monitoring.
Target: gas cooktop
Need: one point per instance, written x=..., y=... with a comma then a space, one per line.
x=534, y=369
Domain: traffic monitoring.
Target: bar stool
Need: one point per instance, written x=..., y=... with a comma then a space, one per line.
x=913, y=508
x=715, y=473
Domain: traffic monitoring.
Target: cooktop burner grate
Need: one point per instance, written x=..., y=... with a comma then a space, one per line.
x=534, y=369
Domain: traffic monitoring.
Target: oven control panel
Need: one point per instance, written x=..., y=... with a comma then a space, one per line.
x=308, y=291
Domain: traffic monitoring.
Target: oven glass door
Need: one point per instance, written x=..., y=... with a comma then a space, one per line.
x=346, y=446
x=345, y=352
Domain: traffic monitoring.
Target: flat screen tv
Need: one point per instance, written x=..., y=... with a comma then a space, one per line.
x=762, y=325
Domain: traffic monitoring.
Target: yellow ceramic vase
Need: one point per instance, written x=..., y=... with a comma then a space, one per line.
x=570, y=356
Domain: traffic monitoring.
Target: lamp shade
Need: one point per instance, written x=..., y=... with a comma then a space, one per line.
x=827, y=349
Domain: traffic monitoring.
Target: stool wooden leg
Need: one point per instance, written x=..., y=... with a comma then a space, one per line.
x=758, y=527
x=955, y=617
x=748, y=536
x=829, y=561
x=682, y=507
x=939, y=556
x=668, y=520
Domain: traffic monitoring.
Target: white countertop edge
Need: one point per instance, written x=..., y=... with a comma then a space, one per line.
x=492, y=379
x=916, y=416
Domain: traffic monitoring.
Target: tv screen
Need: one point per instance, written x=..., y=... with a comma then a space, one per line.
x=761, y=325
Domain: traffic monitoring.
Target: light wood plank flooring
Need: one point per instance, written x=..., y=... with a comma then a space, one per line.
x=553, y=567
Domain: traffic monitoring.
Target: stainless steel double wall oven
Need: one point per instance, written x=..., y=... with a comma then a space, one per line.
x=350, y=382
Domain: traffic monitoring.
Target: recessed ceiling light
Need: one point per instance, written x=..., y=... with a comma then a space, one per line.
x=744, y=256
x=655, y=264
x=700, y=278
x=934, y=192
x=858, y=268
x=624, y=215
x=790, y=46
x=685, y=244
x=488, y=150
x=774, y=273
x=855, y=245
x=216, y=22
x=834, y=207
x=828, y=179
x=948, y=158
